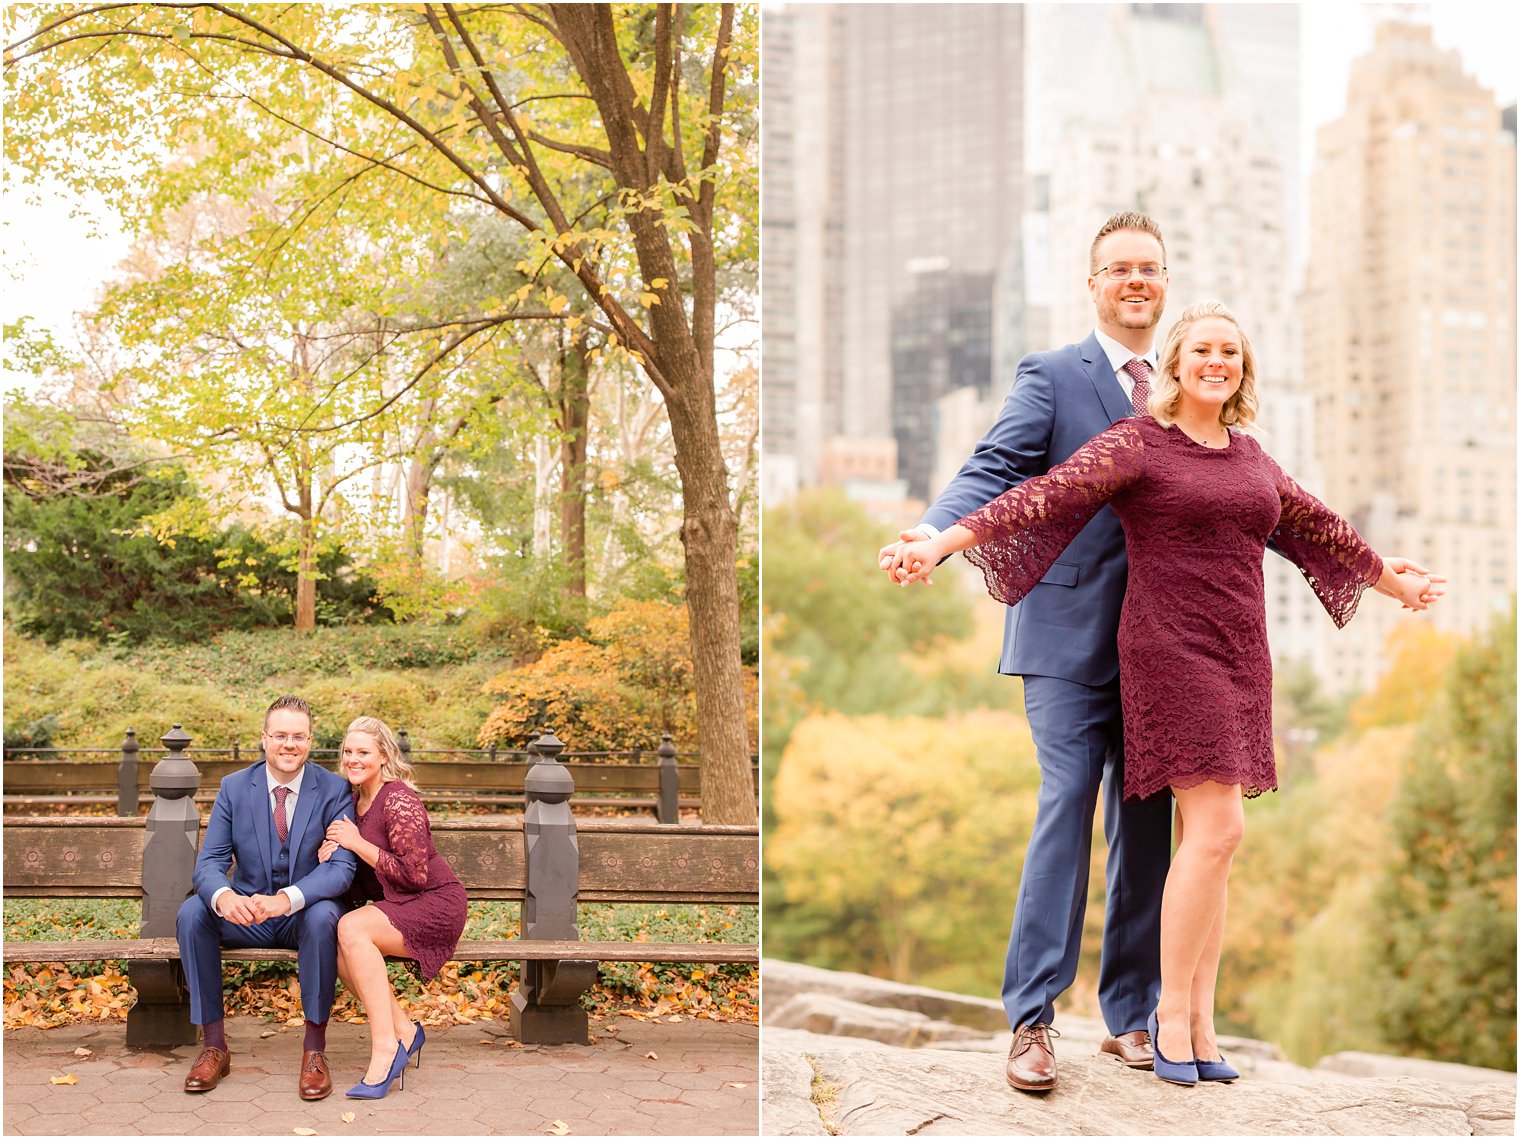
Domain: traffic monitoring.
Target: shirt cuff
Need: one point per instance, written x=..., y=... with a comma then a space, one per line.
x=297, y=899
x=220, y=890
x=927, y=530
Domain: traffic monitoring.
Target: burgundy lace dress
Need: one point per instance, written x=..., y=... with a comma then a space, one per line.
x=1195, y=676
x=411, y=883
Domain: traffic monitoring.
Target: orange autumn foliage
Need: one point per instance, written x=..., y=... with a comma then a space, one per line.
x=620, y=688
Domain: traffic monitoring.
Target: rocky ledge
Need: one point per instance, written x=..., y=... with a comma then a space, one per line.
x=847, y=1054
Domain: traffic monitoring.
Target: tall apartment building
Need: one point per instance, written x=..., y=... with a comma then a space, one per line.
x=801, y=210
x=896, y=144
x=1408, y=329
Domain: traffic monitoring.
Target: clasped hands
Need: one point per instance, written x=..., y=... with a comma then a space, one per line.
x=912, y=557
x=1410, y=584
x=241, y=909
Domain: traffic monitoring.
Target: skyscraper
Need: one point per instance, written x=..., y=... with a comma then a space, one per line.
x=800, y=209
x=898, y=147
x=1408, y=328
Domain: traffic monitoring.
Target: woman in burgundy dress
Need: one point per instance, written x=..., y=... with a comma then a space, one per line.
x=418, y=906
x=1198, y=503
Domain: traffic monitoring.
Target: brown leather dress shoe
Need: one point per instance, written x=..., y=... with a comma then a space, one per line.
x=207, y=1071
x=316, y=1080
x=1032, y=1059
x=1132, y=1049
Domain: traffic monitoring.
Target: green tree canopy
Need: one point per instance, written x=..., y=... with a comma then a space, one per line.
x=1447, y=938
x=83, y=558
x=532, y=113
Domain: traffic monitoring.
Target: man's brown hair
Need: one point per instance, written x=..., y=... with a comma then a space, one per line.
x=1128, y=219
x=294, y=704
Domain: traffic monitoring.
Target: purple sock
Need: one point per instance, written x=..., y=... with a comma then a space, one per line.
x=316, y=1037
x=214, y=1034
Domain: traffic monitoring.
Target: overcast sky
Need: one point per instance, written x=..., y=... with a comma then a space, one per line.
x=55, y=264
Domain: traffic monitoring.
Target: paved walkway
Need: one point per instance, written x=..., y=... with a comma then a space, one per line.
x=702, y=1079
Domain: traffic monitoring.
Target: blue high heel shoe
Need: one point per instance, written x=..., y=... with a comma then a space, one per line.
x=1169, y=1070
x=362, y=1090
x=1216, y=1070
x=415, y=1049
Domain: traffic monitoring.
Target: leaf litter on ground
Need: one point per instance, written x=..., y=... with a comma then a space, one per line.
x=49, y=995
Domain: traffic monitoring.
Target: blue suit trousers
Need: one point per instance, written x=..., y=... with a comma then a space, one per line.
x=1078, y=736
x=311, y=931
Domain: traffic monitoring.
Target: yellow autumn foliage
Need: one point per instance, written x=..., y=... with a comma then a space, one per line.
x=899, y=841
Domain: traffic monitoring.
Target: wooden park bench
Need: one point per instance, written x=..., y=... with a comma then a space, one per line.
x=545, y=859
x=38, y=777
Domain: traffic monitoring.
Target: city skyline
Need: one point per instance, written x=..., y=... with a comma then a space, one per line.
x=1200, y=109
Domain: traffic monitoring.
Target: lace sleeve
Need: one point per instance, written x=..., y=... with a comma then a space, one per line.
x=410, y=840
x=1022, y=532
x=1337, y=563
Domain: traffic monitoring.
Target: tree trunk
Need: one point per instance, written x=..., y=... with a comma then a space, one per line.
x=710, y=537
x=306, y=577
x=574, y=412
x=425, y=454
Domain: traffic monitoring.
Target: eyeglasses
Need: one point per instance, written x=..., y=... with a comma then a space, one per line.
x=1121, y=271
x=296, y=738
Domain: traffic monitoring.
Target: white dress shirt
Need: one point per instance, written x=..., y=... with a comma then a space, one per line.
x=297, y=899
x=1118, y=355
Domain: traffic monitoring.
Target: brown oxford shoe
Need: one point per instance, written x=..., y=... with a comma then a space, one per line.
x=1132, y=1049
x=316, y=1080
x=1032, y=1059
x=207, y=1071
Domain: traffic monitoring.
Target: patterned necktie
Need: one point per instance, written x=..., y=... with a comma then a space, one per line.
x=1140, y=372
x=281, y=827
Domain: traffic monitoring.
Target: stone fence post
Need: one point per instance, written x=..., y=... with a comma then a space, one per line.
x=161, y=1016
x=546, y=1006
x=669, y=807
x=403, y=737
x=126, y=777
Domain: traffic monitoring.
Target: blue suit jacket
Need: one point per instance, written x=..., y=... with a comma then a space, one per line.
x=240, y=837
x=1068, y=626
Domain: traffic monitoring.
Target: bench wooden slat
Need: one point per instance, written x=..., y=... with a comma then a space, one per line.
x=467, y=798
x=167, y=949
x=621, y=860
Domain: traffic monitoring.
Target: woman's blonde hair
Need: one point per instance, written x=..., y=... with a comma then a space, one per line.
x=1166, y=393
x=393, y=764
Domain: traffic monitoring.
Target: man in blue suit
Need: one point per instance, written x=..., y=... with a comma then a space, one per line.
x=258, y=884
x=1063, y=640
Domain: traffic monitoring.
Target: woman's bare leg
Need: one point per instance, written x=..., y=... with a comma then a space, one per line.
x=365, y=936
x=1193, y=904
x=404, y=1030
x=1201, y=1024
x=1205, y=976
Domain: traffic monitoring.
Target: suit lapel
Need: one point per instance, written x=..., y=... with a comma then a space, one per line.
x=253, y=838
x=306, y=806
x=1115, y=403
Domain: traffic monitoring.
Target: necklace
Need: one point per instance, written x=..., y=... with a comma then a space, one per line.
x=1217, y=442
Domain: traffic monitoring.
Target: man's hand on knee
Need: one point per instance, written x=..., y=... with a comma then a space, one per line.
x=272, y=905
x=239, y=910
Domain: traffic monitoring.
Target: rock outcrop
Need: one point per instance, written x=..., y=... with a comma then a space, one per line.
x=841, y=1056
